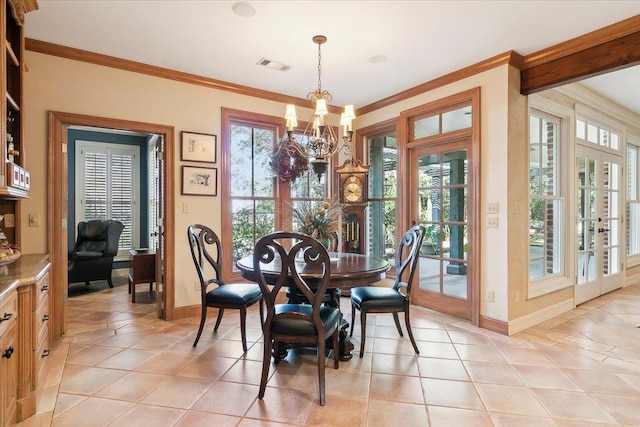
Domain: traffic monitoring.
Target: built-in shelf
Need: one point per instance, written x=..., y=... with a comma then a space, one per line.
x=12, y=102
x=12, y=55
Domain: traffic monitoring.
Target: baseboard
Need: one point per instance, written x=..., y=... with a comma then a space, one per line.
x=494, y=325
x=186, y=312
x=529, y=320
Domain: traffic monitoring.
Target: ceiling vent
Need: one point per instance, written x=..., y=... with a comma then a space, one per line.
x=273, y=64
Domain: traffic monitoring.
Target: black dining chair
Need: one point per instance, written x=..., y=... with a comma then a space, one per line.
x=206, y=251
x=300, y=324
x=372, y=299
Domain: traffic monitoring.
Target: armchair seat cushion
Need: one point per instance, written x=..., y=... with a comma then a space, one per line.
x=301, y=327
x=86, y=255
x=239, y=294
x=369, y=297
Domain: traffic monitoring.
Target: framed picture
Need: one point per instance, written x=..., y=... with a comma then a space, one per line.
x=199, y=181
x=198, y=147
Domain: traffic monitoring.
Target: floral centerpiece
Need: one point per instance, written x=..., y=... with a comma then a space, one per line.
x=320, y=220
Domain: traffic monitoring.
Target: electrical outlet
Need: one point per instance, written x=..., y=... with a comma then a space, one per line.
x=490, y=296
x=9, y=220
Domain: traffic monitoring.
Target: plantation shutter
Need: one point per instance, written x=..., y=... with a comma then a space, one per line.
x=106, y=183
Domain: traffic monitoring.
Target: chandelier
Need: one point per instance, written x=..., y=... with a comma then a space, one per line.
x=319, y=141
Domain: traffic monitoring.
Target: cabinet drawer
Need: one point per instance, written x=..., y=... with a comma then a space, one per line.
x=41, y=321
x=41, y=291
x=8, y=312
x=8, y=376
x=41, y=357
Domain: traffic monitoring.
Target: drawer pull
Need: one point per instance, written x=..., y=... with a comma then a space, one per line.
x=45, y=288
x=45, y=317
x=45, y=353
x=8, y=352
x=6, y=316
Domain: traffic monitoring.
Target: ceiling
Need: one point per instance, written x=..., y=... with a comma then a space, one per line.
x=421, y=40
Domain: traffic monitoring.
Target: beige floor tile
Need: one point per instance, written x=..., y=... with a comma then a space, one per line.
x=133, y=387
x=285, y=405
x=600, y=382
x=90, y=381
x=93, y=411
x=445, y=369
x=344, y=411
x=509, y=420
x=147, y=415
x=448, y=417
x=244, y=371
x=573, y=406
x=165, y=363
x=460, y=394
x=178, y=392
x=91, y=355
x=207, y=367
x=344, y=383
x=396, y=388
x=205, y=419
x=479, y=353
x=127, y=359
x=398, y=365
x=383, y=414
x=492, y=373
x=218, y=399
x=511, y=400
x=625, y=409
x=545, y=377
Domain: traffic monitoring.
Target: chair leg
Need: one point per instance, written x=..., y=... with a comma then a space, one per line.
x=353, y=318
x=110, y=282
x=87, y=283
x=243, y=327
x=219, y=319
x=363, y=330
x=132, y=289
x=266, y=362
x=336, y=347
x=203, y=317
x=321, y=359
x=397, y=321
x=408, y=323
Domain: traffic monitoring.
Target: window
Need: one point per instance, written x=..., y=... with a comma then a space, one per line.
x=107, y=179
x=633, y=199
x=383, y=184
x=546, y=204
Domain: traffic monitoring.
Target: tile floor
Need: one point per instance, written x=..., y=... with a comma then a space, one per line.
x=120, y=366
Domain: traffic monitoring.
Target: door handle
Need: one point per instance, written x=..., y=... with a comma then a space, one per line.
x=602, y=230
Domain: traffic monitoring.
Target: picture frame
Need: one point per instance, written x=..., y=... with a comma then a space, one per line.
x=198, y=147
x=199, y=181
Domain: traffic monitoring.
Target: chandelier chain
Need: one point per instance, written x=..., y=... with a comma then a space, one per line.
x=319, y=68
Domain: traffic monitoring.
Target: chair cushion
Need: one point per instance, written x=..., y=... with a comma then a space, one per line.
x=86, y=255
x=234, y=294
x=299, y=327
x=368, y=297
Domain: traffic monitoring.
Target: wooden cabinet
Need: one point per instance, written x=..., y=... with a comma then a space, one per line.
x=33, y=336
x=8, y=359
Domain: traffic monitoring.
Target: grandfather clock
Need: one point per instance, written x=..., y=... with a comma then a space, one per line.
x=353, y=188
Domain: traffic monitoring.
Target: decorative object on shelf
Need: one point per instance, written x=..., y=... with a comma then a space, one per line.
x=8, y=252
x=320, y=141
x=288, y=162
x=198, y=181
x=321, y=220
x=198, y=147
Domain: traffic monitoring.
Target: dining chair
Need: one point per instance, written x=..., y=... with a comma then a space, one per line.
x=206, y=251
x=396, y=299
x=299, y=257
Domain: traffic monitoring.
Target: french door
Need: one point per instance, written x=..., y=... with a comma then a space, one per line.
x=439, y=182
x=598, y=223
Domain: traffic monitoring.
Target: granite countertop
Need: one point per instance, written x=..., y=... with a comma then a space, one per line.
x=25, y=270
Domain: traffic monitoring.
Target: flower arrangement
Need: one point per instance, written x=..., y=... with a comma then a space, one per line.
x=288, y=162
x=320, y=220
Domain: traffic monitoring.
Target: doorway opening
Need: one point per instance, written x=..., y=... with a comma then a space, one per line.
x=59, y=124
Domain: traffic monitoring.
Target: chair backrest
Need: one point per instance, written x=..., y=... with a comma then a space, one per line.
x=98, y=235
x=407, y=257
x=297, y=260
x=206, y=251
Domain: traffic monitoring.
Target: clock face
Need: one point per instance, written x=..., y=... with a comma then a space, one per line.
x=352, y=189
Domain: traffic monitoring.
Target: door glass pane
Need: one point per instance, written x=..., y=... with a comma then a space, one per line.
x=456, y=119
x=427, y=126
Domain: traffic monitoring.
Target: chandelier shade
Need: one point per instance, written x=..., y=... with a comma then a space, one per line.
x=319, y=141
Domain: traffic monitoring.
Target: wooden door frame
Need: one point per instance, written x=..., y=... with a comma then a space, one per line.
x=472, y=97
x=57, y=194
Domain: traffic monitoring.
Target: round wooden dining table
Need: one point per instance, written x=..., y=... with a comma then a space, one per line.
x=348, y=270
